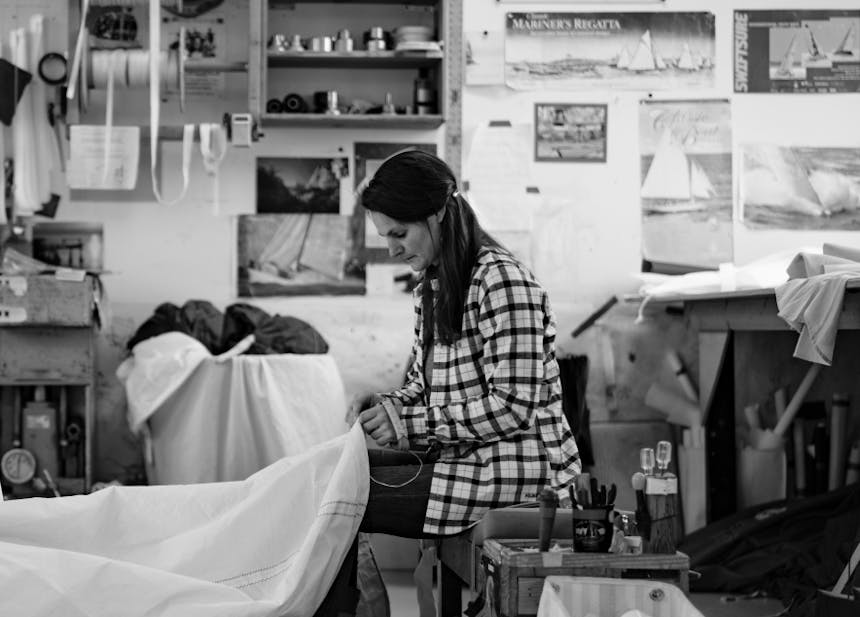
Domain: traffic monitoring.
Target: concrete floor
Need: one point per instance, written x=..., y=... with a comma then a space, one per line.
x=401, y=594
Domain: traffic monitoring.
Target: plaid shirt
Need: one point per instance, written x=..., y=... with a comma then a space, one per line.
x=494, y=402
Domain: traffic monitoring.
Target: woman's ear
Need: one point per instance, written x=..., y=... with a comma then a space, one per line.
x=440, y=214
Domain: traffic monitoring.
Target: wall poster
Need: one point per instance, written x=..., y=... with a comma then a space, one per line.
x=298, y=254
x=570, y=132
x=686, y=191
x=793, y=187
x=297, y=184
x=797, y=51
x=633, y=51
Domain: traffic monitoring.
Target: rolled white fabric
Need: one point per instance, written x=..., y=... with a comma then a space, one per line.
x=47, y=154
x=26, y=178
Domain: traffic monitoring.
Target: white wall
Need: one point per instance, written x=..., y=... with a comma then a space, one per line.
x=590, y=217
x=601, y=222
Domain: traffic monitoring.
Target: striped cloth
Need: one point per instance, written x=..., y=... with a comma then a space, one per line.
x=494, y=405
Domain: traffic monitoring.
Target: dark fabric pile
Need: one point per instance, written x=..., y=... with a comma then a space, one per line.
x=787, y=549
x=219, y=332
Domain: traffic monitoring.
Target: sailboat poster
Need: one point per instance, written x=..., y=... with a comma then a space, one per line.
x=622, y=51
x=686, y=182
x=791, y=187
x=797, y=51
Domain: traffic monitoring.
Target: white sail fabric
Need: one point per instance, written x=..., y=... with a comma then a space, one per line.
x=643, y=59
x=685, y=60
x=256, y=408
x=700, y=184
x=623, y=60
x=267, y=546
x=668, y=175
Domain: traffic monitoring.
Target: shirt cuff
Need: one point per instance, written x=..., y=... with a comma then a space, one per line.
x=399, y=428
x=415, y=419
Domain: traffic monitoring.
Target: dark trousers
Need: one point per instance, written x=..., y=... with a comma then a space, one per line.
x=396, y=505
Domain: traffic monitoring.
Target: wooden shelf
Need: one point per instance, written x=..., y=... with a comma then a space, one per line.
x=354, y=121
x=354, y=59
x=281, y=3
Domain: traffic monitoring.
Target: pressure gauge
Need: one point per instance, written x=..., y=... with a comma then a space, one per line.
x=18, y=466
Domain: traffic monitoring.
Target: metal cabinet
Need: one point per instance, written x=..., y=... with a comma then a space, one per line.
x=47, y=376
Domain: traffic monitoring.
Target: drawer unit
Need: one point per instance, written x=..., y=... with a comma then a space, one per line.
x=46, y=355
x=45, y=300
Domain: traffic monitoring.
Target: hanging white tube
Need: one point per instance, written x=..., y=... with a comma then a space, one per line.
x=155, y=108
x=26, y=193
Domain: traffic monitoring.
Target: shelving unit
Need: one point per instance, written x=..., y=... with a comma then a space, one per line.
x=274, y=74
x=47, y=376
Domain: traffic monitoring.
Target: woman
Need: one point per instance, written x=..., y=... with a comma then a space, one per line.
x=481, y=403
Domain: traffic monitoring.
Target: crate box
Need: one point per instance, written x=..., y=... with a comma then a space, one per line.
x=44, y=300
x=515, y=571
x=567, y=596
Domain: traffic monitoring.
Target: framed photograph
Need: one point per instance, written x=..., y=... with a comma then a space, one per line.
x=368, y=158
x=292, y=185
x=570, y=132
x=298, y=254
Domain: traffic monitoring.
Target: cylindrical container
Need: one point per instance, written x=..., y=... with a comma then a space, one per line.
x=838, y=443
x=297, y=44
x=424, y=98
x=343, y=42
x=663, y=510
x=331, y=102
x=592, y=529
x=321, y=43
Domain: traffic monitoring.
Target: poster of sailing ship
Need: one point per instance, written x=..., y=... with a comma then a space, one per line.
x=286, y=184
x=791, y=187
x=686, y=190
x=797, y=51
x=570, y=132
x=628, y=51
x=298, y=254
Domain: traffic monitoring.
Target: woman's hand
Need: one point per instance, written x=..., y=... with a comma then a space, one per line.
x=359, y=404
x=377, y=424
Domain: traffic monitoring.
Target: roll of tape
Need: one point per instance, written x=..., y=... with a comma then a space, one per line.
x=274, y=106
x=295, y=104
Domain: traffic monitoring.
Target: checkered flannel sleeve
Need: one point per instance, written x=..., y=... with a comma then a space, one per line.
x=510, y=324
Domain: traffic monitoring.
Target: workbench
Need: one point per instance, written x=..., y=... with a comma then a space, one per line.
x=745, y=352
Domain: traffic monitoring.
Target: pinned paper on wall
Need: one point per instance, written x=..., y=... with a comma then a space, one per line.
x=90, y=167
x=497, y=171
x=485, y=58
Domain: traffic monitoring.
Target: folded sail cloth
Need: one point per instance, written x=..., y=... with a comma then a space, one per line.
x=811, y=302
x=267, y=546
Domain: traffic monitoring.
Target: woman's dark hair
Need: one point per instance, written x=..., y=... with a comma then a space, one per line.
x=409, y=187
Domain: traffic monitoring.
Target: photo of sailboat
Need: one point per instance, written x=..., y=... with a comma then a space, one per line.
x=845, y=48
x=686, y=190
x=636, y=50
x=298, y=254
x=788, y=68
x=674, y=182
x=790, y=187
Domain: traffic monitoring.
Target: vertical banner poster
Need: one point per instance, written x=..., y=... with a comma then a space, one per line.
x=626, y=51
x=686, y=191
x=797, y=51
x=796, y=187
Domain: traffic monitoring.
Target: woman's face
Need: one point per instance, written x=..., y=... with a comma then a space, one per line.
x=414, y=243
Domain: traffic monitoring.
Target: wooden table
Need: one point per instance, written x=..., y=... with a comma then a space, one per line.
x=745, y=353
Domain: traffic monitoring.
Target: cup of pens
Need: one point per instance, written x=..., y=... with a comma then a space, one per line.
x=592, y=515
x=592, y=529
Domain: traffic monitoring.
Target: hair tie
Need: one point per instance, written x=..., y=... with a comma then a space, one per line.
x=456, y=193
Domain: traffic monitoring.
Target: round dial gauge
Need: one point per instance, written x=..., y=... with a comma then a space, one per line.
x=18, y=466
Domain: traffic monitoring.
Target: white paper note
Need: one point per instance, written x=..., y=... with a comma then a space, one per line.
x=86, y=164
